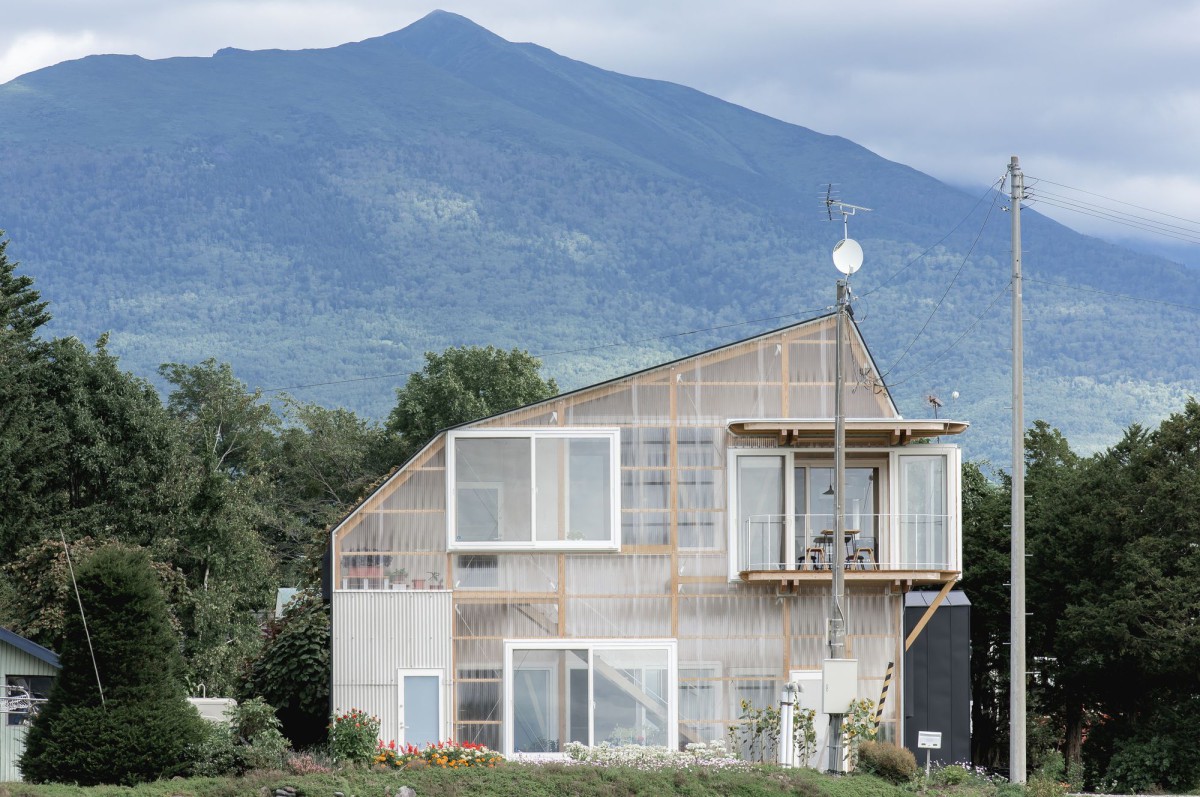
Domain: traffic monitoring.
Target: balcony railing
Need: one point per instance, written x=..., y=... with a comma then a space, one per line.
x=873, y=542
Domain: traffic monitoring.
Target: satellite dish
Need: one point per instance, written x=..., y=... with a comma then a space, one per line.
x=847, y=256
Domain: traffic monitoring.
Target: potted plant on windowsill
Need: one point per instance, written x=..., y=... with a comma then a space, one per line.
x=399, y=578
x=435, y=580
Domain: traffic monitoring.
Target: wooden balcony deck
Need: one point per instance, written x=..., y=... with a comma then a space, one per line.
x=790, y=580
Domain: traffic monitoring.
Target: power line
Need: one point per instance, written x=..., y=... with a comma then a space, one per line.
x=1151, y=227
x=1193, y=308
x=957, y=340
x=1118, y=201
x=991, y=189
x=1133, y=218
x=1189, y=233
x=962, y=264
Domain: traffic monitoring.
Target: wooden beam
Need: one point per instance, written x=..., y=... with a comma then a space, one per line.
x=925, y=618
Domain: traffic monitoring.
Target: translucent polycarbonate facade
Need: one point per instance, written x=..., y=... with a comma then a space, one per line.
x=658, y=631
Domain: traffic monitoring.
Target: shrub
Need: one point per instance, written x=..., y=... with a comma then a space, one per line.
x=951, y=775
x=711, y=756
x=1043, y=786
x=886, y=760
x=250, y=740
x=307, y=764
x=143, y=728
x=291, y=672
x=354, y=737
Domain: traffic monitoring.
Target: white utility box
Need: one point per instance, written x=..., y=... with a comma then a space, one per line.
x=839, y=685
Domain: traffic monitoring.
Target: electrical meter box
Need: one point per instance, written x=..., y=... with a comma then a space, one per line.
x=839, y=685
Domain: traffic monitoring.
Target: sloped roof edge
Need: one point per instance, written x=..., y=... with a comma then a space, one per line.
x=364, y=500
x=28, y=646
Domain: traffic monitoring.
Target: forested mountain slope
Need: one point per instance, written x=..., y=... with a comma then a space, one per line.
x=327, y=215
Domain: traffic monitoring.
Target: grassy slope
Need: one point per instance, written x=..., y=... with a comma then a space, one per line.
x=527, y=781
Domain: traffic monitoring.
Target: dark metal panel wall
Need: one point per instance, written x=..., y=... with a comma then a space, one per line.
x=937, y=676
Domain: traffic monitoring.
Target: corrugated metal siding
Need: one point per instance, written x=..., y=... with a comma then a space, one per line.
x=12, y=738
x=376, y=633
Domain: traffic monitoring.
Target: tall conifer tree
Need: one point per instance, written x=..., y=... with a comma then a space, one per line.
x=142, y=727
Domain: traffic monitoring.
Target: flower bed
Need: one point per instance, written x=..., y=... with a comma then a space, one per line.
x=713, y=756
x=447, y=755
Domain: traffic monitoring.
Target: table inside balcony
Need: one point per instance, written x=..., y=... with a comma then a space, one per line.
x=823, y=542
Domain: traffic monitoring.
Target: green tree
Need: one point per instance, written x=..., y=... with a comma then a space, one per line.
x=90, y=451
x=141, y=728
x=292, y=670
x=327, y=459
x=42, y=597
x=220, y=538
x=464, y=384
x=22, y=311
x=986, y=541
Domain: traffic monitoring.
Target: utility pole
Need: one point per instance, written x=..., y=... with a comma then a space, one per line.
x=1016, y=701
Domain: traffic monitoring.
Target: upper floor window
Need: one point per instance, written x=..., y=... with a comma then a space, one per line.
x=533, y=488
x=901, y=509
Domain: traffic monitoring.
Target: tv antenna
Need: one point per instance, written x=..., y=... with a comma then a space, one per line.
x=835, y=205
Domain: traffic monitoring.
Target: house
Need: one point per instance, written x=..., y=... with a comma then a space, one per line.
x=28, y=670
x=630, y=561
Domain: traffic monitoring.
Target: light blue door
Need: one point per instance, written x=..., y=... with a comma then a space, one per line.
x=421, y=707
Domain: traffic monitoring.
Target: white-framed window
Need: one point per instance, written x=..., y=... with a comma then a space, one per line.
x=422, y=695
x=782, y=507
x=929, y=502
x=533, y=488
x=903, y=508
x=589, y=691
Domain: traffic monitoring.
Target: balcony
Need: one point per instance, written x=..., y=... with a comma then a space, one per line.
x=795, y=550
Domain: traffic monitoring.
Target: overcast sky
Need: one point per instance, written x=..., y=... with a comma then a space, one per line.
x=1099, y=95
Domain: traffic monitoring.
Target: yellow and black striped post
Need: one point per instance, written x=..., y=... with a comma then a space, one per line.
x=887, y=682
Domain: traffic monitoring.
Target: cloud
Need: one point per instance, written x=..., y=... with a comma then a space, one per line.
x=1095, y=93
x=34, y=49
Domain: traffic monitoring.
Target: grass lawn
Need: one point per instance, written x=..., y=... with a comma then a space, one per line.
x=524, y=780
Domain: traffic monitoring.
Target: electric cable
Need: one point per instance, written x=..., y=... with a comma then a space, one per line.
x=957, y=340
x=1190, y=307
x=991, y=189
x=962, y=264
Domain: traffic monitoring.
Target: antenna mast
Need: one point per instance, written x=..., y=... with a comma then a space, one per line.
x=847, y=257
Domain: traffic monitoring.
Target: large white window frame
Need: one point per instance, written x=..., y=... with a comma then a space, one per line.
x=592, y=646
x=532, y=435
x=887, y=493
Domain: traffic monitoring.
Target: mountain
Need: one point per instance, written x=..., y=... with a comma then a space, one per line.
x=320, y=216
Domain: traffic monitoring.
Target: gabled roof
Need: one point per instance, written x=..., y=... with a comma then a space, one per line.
x=858, y=346
x=32, y=648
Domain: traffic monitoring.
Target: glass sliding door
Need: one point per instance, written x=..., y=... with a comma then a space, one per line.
x=815, y=510
x=550, y=704
x=589, y=692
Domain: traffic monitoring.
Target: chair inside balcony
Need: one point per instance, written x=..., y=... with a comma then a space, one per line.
x=861, y=555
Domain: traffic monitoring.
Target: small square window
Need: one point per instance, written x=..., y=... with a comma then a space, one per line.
x=34, y=687
x=476, y=571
